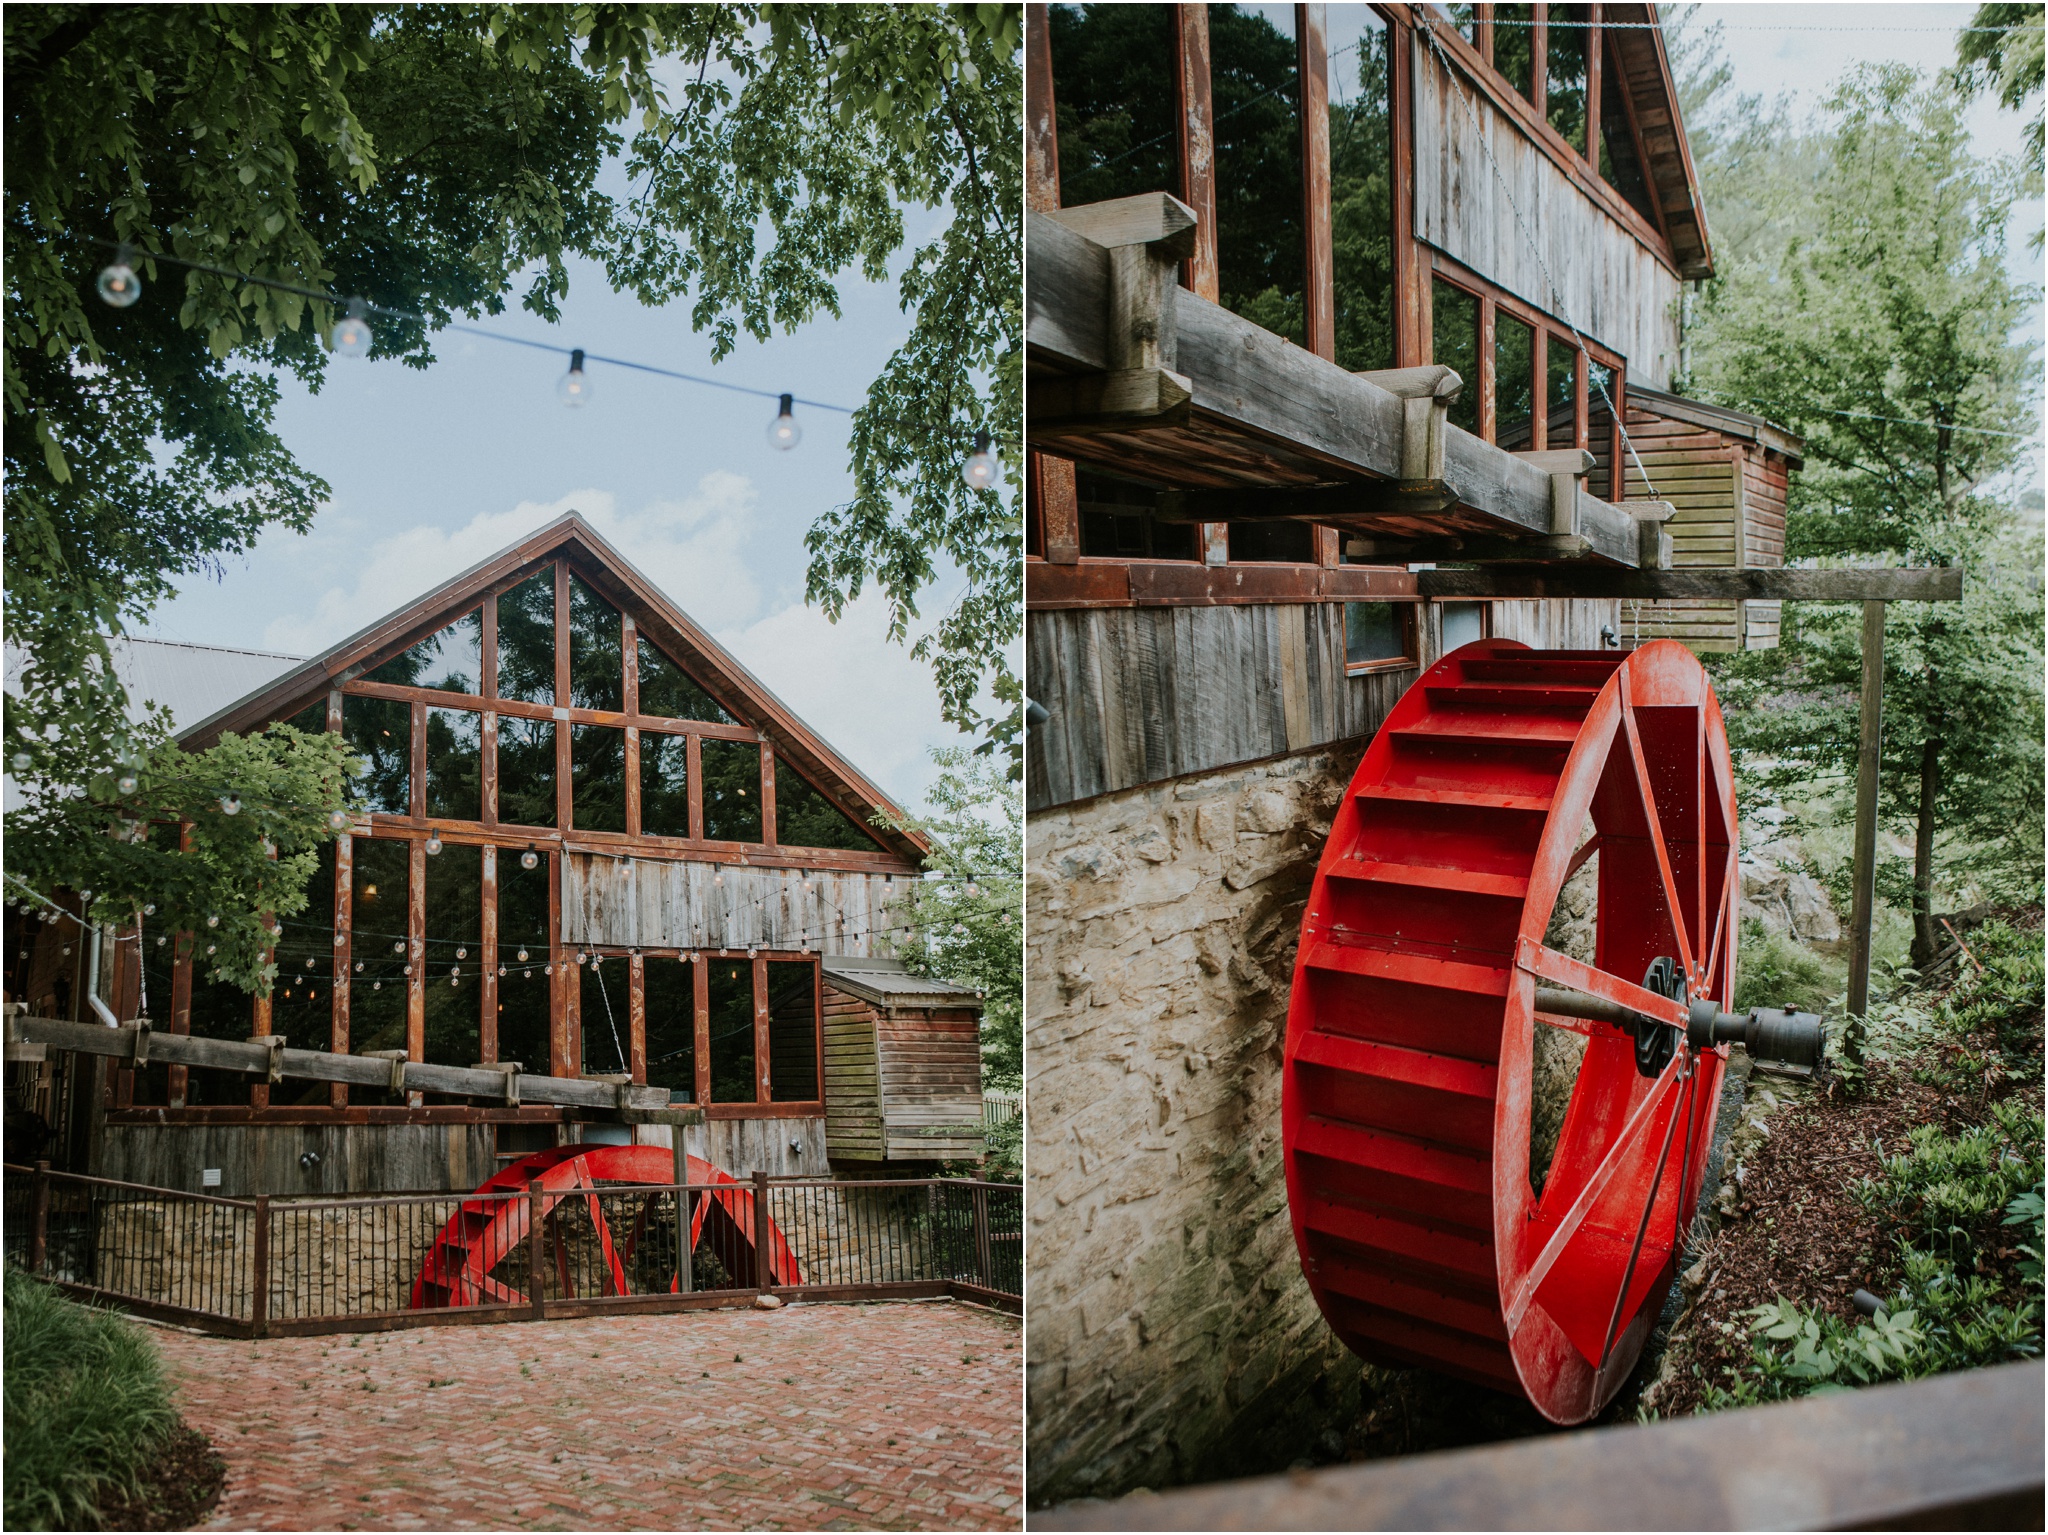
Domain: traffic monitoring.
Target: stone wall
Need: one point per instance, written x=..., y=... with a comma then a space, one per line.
x=1172, y=1335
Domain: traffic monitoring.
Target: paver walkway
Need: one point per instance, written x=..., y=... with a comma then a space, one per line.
x=905, y=1415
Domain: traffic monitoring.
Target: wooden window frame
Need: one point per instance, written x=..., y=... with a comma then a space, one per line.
x=1411, y=642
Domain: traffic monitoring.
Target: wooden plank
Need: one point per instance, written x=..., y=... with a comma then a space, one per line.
x=1944, y=584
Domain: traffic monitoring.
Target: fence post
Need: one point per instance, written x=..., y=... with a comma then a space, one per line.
x=533, y=1264
x=764, y=1276
x=259, y=1264
x=39, y=1220
x=686, y=1250
x=983, y=1257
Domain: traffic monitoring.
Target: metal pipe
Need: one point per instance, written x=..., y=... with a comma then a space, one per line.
x=1781, y=1035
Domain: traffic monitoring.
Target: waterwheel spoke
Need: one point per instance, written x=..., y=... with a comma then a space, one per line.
x=1701, y=940
x=1722, y=909
x=1676, y=911
x=1635, y=1251
x=1548, y=964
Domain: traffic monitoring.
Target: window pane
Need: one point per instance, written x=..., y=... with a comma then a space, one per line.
x=792, y=1031
x=455, y=956
x=805, y=818
x=664, y=785
x=1372, y=632
x=455, y=765
x=302, y=999
x=671, y=1001
x=597, y=779
x=1114, y=84
x=1464, y=622
x=376, y=1008
x=219, y=1011
x=1462, y=16
x=1117, y=522
x=1514, y=46
x=669, y=691
x=732, y=1030
x=452, y=660
x=526, y=640
x=379, y=730
x=732, y=791
x=1600, y=386
x=1561, y=392
x=526, y=771
x=1255, y=94
x=1514, y=380
x=1619, y=167
x=523, y=989
x=312, y=719
x=1564, y=71
x=597, y=651
x=1454, y=330
x=1361, y=189
x=606, y=1014
x=1285, y=542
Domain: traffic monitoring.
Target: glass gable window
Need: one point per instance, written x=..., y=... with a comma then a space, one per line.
x=664, y=785
x=792, y=1031
x=455, y=771
x=732, y=791
x=1361, y=188
x=1564, y=71
x=605, y=1012
x=1514, y=46
x=669, y=993
x=597, y=754
x=666, y=690
x=1454, y=329
x=1113, y=69
x=526, y=640
x=455, y=956
x=452, y=660
x=379, y=730
x=1514, y=380
x=524, y=988
x=1619, y=166
x=597, y=653
x=1256, y=97
x=805, y=818
x=377, y=982
x=732, y=1030
x=526, y=771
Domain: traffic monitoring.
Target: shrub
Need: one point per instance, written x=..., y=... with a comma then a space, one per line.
x=86, y=1406
x=1773, y=970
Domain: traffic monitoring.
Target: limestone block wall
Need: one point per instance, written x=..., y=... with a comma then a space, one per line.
x=1172, y=1336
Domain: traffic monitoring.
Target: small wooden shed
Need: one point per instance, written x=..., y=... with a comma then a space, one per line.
x=902, y=1064
x=1728, y=474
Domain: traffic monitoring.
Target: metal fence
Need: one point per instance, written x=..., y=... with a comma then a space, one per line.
x=1000, y=1108
x=268, y=1265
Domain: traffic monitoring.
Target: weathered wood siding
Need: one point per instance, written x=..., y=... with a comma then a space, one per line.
x=1556, y=624
x=267, y=1159
x=931, y=1083
x=659, y=904
x=1609, y=283
x=853, y=1081
x=1142, y=694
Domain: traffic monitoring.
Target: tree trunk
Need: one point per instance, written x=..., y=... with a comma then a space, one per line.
x=1923, y=856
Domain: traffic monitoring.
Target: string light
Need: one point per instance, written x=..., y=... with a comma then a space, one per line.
x=980, y=469
x=575, y=385
x=213, y=919
x=529, y=859
x=231, y=804
x=126, y=783
x=22, y=762
x=118, y=284
x=433, y=845
x=522, y=956
x=352, y=335
x=337, y=820
x=783, y=431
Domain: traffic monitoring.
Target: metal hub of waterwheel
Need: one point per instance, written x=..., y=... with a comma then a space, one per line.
x=1426, y=971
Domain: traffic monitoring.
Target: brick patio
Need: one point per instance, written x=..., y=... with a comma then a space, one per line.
x=817, y=1417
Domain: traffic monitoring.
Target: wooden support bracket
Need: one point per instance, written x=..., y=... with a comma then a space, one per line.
x=510, y=1071
x=142, y=1032
x=1655, y=538
x=1147, y=237
x=397, y=1058
x=274, y=1043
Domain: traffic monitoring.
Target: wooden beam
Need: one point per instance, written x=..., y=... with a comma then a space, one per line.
x=1774, y=584
x=1184, y=583
x=1863, y=870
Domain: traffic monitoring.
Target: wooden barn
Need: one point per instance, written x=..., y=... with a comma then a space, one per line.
x=903, y=1080
x=593, y=857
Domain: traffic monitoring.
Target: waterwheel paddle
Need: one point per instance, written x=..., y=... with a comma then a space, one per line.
x=1406, y=1100
x=485, y=1233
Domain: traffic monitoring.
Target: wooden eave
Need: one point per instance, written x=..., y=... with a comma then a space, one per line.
x=1718, y=418
x=1654, y=95
x=570, y=539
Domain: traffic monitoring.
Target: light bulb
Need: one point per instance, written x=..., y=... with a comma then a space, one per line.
x=359, y=967
x=118, y=284
x=231, y=804
x=149, y=910
x=352, y=335
x=340, y=939
x=309, y=963
x=337, y=820
x=160, y=941
x=980, y=469
x=529, y=859
x=582, y=959
x=211, y=947
x=376, y=985
x=783, y=432
x=398, y=948
x=455, y=969
x=462, y=954
x=522, y=956
x=753, y=953
x=501, y=969
x=575, y=385
x=213, y=920
x=718, y=878
x=433, y=845
x=125, y=784
x=22, y=762
x=526, y=975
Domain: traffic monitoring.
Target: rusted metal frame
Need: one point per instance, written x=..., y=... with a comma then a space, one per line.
x=1041, y=120
x=215, y=1322
x=636, y=1017
x=1482, y=32
x=1539, y=61
x=261, y=1008
x=1488, y=381
x=1449, y=267
x=341, y=992
x=812, y=1109
x=693, y=788
x=700, y=1055
x=177, y=1079
x=487, y=950
x=416, y=957
x=1411, y=264
x=1059, y=508
x=437, y=698
x=1596, y=53
x=763, y=1092
x=354, y=1114
x=1663, y=853
x=1312, y=67
x=767, y=792
x=1539, y=418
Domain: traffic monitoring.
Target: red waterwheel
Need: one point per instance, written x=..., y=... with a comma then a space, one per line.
x=1407, y=1095
x=486, y=1237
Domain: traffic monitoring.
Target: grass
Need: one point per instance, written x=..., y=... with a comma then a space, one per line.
x=86, y=1407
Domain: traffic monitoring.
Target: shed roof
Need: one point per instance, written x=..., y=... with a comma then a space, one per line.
x=888, y=983
x=1719, y=418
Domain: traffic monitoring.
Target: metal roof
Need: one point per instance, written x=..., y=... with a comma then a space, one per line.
x=886, y=983
x=1719, y=418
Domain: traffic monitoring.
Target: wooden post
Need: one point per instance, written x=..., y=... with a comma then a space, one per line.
x=259, y=1264
x=763, y=1271
x=416, y=958
x=533, y=1263
x=1865, y=869
x=1596, y=51
x=984, y=1257
x=342, y=992
x=763, y=1092
x=1319, y=302
x=39, y=1220
x=686, y=1279
x=1041, y=126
